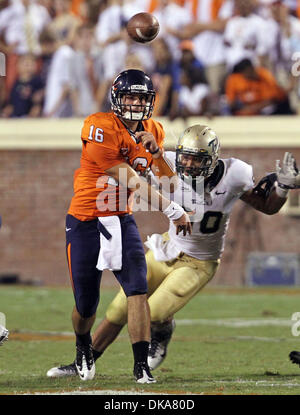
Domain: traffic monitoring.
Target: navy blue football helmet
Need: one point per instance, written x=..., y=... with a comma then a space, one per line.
x=132, y=82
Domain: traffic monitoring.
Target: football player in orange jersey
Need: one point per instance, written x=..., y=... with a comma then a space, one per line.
x=100, y=230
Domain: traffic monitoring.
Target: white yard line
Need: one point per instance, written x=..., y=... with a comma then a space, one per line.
x=212, y=384
x=97, y=392
x=225, y=322
x=236, y=322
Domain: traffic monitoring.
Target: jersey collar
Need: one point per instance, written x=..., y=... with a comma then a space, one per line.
x=216, y=177
x=140, y=127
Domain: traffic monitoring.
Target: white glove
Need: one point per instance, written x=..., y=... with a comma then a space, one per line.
x=288, y=176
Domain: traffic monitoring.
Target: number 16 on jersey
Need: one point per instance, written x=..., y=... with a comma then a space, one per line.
x=97, y=136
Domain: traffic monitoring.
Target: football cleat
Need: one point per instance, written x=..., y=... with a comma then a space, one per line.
x=3, y=334
x=160, y=337
x=295, y=357
x=84, y=362
x=142, y=373
x=62, y=371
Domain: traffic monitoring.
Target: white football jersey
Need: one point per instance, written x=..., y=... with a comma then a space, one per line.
x=208, y=235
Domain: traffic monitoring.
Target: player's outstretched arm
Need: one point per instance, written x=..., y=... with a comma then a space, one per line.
x=271, y=192
x=128, y=177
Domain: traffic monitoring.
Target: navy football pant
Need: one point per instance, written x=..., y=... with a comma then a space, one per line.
x=83, y=244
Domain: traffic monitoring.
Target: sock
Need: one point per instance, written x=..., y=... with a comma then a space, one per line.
x=96, y=354
x=140, y=351
x=83, y=339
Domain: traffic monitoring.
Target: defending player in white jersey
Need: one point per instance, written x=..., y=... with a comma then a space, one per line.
x=179, y=267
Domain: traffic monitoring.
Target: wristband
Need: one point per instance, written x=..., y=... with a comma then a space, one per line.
x=282, y=192
x=174, y=211
x=155, y=151
x=284, y=186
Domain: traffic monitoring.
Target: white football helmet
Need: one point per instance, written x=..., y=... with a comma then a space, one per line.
x=197, y=151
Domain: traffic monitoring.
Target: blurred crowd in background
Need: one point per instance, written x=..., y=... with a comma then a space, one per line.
x=211, y=57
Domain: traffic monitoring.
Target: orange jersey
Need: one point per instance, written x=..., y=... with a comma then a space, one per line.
x=106, y=143
x=253, y=91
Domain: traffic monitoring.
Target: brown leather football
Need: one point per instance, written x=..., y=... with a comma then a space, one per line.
x=143, y=27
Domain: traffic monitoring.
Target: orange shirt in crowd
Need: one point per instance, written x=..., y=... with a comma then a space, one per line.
x=249, y=91
x=75, y=7
x=106, y=143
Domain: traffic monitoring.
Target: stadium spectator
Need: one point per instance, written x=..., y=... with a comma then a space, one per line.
x=64, y=23
x=21, y=23
x=20, y=26
x=48, y=4
x=193, y=95
x=86, y=70
x=206, y=31
x=111, y=37
x=188, y=59
x=58, y=98
x=172, y=18
x=76, y=6
x=83, y=9
x=26, y=96
x=48, y=47
x=254, y=91
x=245, y=35
x=284, y=37
x=114, y=40
x=133, y=61
x=166, y=79
x=89, y=10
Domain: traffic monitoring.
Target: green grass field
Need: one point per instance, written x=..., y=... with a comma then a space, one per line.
x=227, y=341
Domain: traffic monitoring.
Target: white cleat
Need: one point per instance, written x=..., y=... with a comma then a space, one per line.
x=157, y=354
x=142, y=373
x=160, y=337
x=3, y=334
x=62, y=371
x=84, y=362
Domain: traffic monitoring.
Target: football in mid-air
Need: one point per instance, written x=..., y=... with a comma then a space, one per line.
x=143, y=27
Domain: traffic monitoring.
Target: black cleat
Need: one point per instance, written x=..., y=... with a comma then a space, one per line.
x=295, y=357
